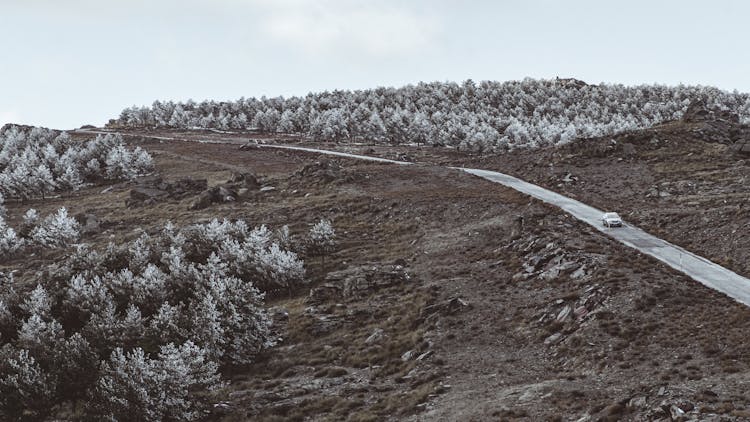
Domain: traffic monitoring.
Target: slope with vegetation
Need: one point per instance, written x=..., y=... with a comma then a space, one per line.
x=485, y=116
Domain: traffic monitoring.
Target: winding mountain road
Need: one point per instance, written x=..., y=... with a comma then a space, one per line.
x=698, y=268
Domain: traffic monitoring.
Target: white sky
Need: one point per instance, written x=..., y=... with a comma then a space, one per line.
x=65, y=63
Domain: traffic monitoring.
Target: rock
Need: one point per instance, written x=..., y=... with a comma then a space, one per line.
x=321, y=172
x=267, y=189
x=580, y=272
x=424, y=355
x=741, y=147
x=408, y=355
x=216, y=194
x=246, y=180
x=569, y=178
x=204, y=200
x=152, y=189
x=448, y=307
x=564, y=313
x=676, y=412
x=553, y=339
x=90, y=223
x=226, y=195
x=375, y=337
x=637, y=402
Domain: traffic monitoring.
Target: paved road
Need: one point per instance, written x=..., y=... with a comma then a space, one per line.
x=700, y=269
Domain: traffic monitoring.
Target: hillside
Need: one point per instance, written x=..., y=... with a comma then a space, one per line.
x=175, y=273
x=436, y=304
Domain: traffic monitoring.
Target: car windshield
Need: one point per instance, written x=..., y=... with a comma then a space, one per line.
x=611, y=215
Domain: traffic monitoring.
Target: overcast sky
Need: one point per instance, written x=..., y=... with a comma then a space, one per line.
x=65, y=63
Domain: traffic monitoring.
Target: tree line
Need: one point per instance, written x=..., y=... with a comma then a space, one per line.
x=485, y=116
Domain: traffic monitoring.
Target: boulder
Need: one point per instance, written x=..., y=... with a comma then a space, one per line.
x=90, y=223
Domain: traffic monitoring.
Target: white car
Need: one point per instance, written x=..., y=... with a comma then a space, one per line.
x=611, y=219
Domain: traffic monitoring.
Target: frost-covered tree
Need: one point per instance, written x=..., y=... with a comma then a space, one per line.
x=483, y=116
x=41, y=338
x=35, y=162
x=27, y=391
x=38, y=302
x=10, y=243
x=168, y=324
x=76, y=367
x=134, y=387
x=56, y=230
x=321, y=239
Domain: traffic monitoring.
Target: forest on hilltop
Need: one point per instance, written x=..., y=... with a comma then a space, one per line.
x=484, y=116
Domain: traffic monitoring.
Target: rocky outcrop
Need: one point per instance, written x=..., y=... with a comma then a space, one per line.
x=714, y=125
x=356, y=282
x=214, y=195
x=239, y=186
x=89, y=223
x=742, y=146
x=152, y=189
x=321, y=172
